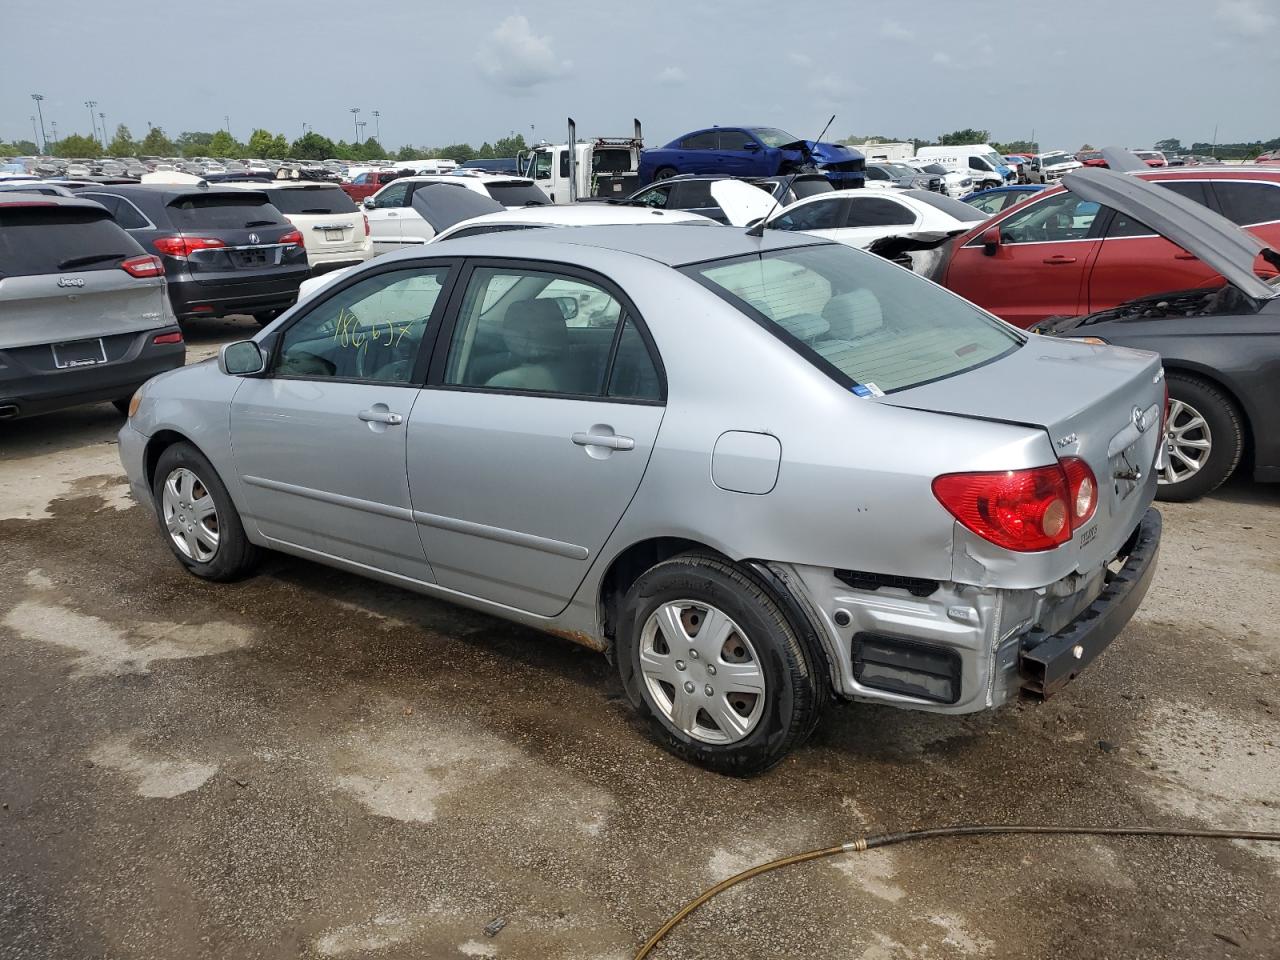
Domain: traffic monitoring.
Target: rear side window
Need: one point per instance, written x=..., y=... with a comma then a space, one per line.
x=126, y=214
x=312, y=200
x=700, y=141
x=44, y=240
x=1248, y=203
x=516, y=194
x=223, y=211
x=878, y=212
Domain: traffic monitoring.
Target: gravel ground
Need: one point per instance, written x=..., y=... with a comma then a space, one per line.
x=307, y=764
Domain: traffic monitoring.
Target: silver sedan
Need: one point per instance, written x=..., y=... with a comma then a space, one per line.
x=760, y=473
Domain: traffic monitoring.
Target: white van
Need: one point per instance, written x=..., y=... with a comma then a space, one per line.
x=979, y=160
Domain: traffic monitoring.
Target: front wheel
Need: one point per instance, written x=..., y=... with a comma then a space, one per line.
x=1203, y=440
x=199, y=521
x=707, y=654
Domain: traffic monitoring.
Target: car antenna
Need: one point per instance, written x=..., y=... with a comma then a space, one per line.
x=758, y=229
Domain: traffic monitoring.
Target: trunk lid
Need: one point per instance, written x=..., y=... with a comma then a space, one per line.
x=249, y=226
x=1102, y=404
x=325, y=216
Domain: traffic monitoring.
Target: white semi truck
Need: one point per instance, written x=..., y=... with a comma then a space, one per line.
x=603, y=167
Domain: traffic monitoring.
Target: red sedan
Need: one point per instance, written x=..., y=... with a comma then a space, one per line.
x=1058, y=255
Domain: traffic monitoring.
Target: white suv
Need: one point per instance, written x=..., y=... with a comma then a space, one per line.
x=334, y=231
x=395, y=225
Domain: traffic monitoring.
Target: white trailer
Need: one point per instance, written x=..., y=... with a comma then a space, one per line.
x=886, y=152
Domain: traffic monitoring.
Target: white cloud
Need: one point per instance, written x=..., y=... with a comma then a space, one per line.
x=671, y=77
x=896, y=31
x=830, y=86
x=800, y=59
x=1246, y=17
x=513, y=56
x=942, y=59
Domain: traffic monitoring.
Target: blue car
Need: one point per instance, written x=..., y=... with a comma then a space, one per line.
x=752, y=152
x=996, y=199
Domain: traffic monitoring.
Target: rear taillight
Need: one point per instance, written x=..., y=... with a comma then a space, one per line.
x=366, y=224
x=143, y=266
x=1022, y=510
x=291, y=239
x=1164, y=410
x=161, y=338
x=182, y=247
x=1082, y=485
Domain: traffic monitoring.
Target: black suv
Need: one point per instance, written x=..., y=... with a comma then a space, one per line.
x=224, y=251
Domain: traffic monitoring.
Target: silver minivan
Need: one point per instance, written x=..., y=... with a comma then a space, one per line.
x=83, y=312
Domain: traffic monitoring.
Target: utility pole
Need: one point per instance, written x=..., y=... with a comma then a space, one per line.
x=44, y=141
x=93, y=122
x=103, y=117
x=1214, y=151
x=355, y=120
x=360, y=125
x=377, y=125
x=226, y=120
x=304, y=128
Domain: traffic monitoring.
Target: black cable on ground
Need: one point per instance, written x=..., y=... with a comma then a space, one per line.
x=933, y=833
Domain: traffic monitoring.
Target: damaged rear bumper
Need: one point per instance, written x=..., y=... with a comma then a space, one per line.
x=1048, y=662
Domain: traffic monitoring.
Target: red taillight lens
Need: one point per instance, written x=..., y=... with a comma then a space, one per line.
x=143, y=266
x=160, y=338
x=293, y=239
x=366, y=224
x=182, y=247
x=1164, y=411
x=1083, y=487
x=1022, y=510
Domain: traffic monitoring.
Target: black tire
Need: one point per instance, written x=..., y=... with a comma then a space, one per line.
x=664, y=173
x=235, y=556
x=122, y=404
x=793, y=696
x=1225, y=435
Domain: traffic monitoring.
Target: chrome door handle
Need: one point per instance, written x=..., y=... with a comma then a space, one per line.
x=603, y=440
x=380, y=416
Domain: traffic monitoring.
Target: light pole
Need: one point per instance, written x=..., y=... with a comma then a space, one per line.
x=360, y=125
x=54, y=126
x=35, y=131
x=93, y=122
x=304, y=128
x=103, y=117
x=377, y=125
x=44, y=141
x=355, y=120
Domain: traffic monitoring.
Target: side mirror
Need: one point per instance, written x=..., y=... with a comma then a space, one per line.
x=367, y=203
x=751, y=146
x=241, y=359
x=990, y=241
x=568, y=307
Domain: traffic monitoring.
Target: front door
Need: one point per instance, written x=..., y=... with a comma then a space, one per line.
x=1039, y=268
x=319, y=440
x=533, y=435
x=390, y=204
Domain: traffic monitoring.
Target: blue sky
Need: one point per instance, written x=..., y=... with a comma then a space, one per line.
x=1101, y=71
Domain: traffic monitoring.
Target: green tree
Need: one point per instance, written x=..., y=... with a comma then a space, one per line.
x=222, y=144
x=485, y=152
x=312, y=146
x=510, y=146
x=20, y=148
x=156, y=144
x=409, y=152
x=75, y=145
x=123, y=144
x=1170, y=145
x=1087, y=146
x=462, y=152
x=371, y=149
x=279, y=147
x=967, y=135
x=1016, y=146
x=260, y=144
x=195, y=143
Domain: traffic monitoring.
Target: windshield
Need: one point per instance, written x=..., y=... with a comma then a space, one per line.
x=858, y=317
x=773, y=137
x=312, y=200
x=516, y=193
x=934, y=168
x=995, y=160
x=1052, y=159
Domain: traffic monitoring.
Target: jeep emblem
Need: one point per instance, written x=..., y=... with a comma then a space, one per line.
x=71, y=281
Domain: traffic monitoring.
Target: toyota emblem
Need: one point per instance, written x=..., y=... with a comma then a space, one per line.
x=1140, y=419
x=253, y=238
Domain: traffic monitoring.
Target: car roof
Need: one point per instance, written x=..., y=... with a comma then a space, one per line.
x=16, y=198
x=674, y=245
x=585, y=215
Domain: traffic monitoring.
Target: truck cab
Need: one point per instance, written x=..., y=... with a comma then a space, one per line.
x=603, y=167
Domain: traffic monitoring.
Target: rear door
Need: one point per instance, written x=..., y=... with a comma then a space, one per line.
x=61, y=284
x=319, y=439
x=1039, y=268
x=542, y=409
x=868, y=216
x=1254, y=205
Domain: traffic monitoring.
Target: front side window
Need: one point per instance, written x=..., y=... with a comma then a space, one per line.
x=394, y=195
x=825, y=214
x=534, y=331
x=371, y=331
x=860, y=318
x=1058, y=218
x=657, y=197
x=736, y=140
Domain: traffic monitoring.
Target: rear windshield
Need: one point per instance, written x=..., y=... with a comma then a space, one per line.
x=42, y=240
x=231, y=211
x=861, y=319
x=805, y=187
x=611, y=161
x=964, y=212
x=312, y=200
x=516, y=194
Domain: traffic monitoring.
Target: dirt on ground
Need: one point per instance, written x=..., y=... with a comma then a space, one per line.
x=307, y=764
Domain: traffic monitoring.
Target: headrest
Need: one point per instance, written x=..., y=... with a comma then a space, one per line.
x=853, y=315
x=535, y=329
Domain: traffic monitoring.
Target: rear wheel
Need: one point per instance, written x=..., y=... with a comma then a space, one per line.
x=707, y=654
x=1204, y=439
x=664, y=173
x=200, y=523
